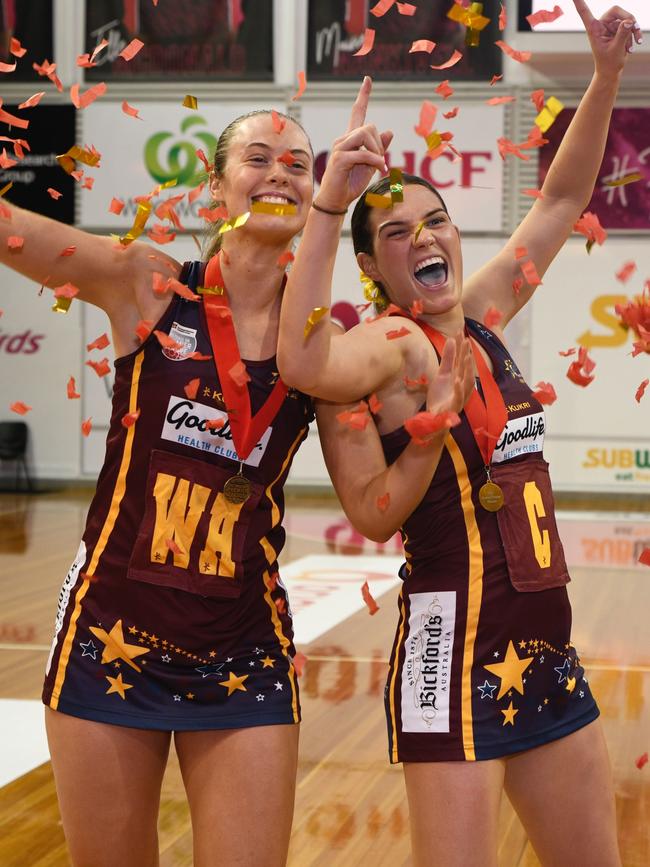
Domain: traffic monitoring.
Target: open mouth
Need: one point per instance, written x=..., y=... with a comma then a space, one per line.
x=431, y=272
x=274, y=199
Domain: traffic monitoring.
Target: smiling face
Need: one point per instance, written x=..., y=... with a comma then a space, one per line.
x=429, y=267
x=254, y=172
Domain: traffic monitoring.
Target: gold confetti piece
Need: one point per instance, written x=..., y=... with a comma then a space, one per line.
x=314, y=317
x=418, y=229
x=272, y=208
x=234, y=223
x=396, y=186
x=6, y=188
x=190, y=101
x=210, y=290
x=548, y=115
x=140, y=221
x=621, y=182
x=473, y=34
x=373, y=200
x=68, y=160
x=61, y=305
x=471, y=17
x=433, y=140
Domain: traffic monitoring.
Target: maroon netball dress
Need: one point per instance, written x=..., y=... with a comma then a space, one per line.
x=172, y=615
x=482, y=664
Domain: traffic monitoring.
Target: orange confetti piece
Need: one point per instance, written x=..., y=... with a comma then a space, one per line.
x=626, y=272
x=131, y=110
x=143, y=329
x=643, y=759
x=535, y=194
x=406, y=9
x=299, y=662
x=449, y=114
x=129, y=51
x=182, y=290
x=381, y=8
x=281, y=605
x=88, y=183
x=287, y=158
x=544, y=16
x=83, y=100
x=87, y=426
x=383, y=502
x=204, y=160
x=19, y=407
x=641, y=390
x=368, y=42
x=101, y=368
x=239, y=374
x=517, y=284
x=529, y=271
x=355, y=419
x=453, y=60
x=166, y=341
x=537, y=98
x=503, y=18
x=374, y=404
x=194, y=194
x=492, y=317
x=645, y=560
x=215, y=423
x=211, y=215
x=130, y=418
x=279, y=122
x=7, y=67
x=67, y=290
x=116, y=206
x=16, y=48
x=72, y=389
x=579, y=371
x=396, y=333
x=423, y=425
x=425, y=45
x=15, y=242
x=417, y=307
x=33, y=100
x=428, y=112
x=499, y=100
x=566, y=352
x=521, y=252
x=100, y=342
x=68, y=251
x=191, y=388
x=173, y=547
x=420, y=382
x=444, y=89
x=545, y=393
x=54, y=193
x=285, y=258
x=589, y=226
x=302, y=84
x=519, y=56
x=5, y=161
x=161, y=235
x=368, y=598
x=494, y=79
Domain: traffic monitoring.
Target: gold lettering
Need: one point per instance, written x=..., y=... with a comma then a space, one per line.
x=224, y=516
x=174, y=520
x=602, y=309
x=535, y=510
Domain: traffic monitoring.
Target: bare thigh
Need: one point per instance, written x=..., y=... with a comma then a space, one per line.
x=108, y=781
x=564, y=796
x=454, y=812
x=241, y=787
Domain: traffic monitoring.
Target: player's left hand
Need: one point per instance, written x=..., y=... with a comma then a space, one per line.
x=612, y=37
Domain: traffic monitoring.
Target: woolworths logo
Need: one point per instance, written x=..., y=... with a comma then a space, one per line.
x=167, y=156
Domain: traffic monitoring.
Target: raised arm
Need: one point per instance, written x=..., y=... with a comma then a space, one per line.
x=570, y=181
x=378, y=498
x=349, y=366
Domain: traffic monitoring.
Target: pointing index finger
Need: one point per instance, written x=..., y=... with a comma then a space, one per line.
x=584, y=12
x=358, y=113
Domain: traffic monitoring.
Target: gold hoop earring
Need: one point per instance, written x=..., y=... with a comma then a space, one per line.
x=373, y=293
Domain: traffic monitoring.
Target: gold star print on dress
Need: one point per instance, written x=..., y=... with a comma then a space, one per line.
x=510, y=671
x=509, y=714
x=116, y=646
x=234, y=682
x=117, y=685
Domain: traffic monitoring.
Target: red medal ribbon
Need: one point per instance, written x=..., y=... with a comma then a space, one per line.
x=488, y=417
x=246, y=428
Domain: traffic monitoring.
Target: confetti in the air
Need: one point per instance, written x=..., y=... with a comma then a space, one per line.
x=423, y=425
x=19, y=407
x=545, y=393
x=641, y=390
x=368, y=42
x=71, y=388
x=239, y=374
x=544, y=16
x=129, y=51
x=302, y=84
x=100, y=342
x=314, y=317
x=367, y=596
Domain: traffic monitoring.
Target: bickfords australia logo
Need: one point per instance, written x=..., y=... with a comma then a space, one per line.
x=426, y=676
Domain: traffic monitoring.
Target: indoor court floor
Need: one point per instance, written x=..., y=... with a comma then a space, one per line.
x=350, y=806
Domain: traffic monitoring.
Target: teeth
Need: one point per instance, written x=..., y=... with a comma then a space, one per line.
x=432, y=260
x=273, y=200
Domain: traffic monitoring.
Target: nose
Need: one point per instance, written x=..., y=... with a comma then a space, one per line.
x=277, y=172
x=423, y=236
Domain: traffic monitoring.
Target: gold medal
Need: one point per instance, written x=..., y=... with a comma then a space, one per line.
x=491, y=497
x=237, y=489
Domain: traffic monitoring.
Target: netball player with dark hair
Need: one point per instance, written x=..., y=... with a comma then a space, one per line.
x=172, y=618
x=485, y=691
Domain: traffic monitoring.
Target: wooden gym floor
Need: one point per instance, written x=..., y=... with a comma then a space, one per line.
x=350, y=807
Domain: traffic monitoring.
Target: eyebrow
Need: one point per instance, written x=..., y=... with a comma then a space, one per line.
x=261, y=144
x=403, y=222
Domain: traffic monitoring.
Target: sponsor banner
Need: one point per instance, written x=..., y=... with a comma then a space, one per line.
x=596, y=436
x=161, y=148
x=426, y=673
x=185, y=423
x=627, y=153
x=471, y=185
x=601, y=542
x=520, y=436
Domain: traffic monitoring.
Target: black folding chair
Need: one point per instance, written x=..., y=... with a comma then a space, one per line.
x=13, y=447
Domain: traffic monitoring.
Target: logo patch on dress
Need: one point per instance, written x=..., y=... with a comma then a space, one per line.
x=520, y=436
x=186, y=338
x=426, y=673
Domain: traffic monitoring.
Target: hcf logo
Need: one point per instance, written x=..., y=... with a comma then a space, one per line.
x=180, y=160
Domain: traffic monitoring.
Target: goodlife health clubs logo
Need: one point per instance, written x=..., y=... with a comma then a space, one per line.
x=180, y=161
x=426, y=675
